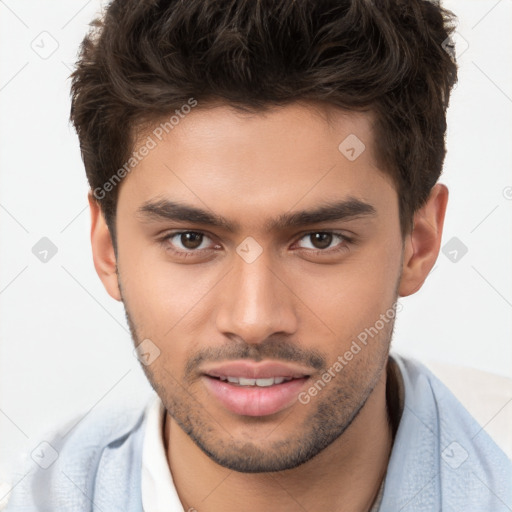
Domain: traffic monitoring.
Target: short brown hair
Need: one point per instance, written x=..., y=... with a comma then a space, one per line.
x=146, y=58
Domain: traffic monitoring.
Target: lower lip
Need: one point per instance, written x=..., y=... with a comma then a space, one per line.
x=255, y=400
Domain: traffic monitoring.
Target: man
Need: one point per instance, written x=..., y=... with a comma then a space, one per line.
x=263, y=189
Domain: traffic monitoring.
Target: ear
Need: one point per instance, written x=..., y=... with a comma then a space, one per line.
x=421, y=246
x=103, y=250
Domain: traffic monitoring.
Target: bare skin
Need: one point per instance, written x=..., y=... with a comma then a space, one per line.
x=302, y=301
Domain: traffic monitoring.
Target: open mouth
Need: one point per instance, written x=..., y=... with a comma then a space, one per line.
x=254, y=397
x=248, y=382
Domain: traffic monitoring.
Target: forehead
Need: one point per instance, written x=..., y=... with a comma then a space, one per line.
x=316, y=124
x=250, y=164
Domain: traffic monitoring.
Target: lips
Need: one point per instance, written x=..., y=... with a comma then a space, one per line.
x=251, y=370
x=255, y=389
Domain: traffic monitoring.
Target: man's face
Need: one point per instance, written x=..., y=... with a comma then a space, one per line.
x=254, y=290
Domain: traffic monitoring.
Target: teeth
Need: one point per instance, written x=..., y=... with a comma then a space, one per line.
x=242, y=381
x=247, y=382
x=265, y=382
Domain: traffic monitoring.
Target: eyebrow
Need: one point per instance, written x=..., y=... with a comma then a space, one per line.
x=164, y=209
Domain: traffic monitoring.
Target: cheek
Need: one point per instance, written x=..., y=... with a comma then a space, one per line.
x=167, y=304
x=351, y=296
x=158, y=293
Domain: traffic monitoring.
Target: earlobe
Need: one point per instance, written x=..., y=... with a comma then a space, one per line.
x=103, y=250
x=421, y=246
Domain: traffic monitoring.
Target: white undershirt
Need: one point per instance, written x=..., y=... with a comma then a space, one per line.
x=158, y=490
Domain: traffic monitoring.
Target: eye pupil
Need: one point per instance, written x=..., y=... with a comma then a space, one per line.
x=191, y=240
x=321, y=240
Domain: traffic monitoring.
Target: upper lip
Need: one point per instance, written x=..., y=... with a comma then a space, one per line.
x=252, y=370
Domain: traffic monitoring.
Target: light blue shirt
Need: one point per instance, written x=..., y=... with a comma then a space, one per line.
x=442, y=460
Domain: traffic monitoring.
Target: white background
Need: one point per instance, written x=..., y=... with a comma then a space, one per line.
x=64, y=344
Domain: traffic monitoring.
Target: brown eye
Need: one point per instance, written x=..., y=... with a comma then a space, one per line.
x=191, y=240
x=327, y=242
x=187, y=242
x=321, y=240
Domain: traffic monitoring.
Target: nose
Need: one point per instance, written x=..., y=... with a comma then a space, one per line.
x=256, y=302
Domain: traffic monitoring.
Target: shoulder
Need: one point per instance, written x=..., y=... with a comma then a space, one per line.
x=427, y=394
x=440, y=446
x=71, y=465
x=432, y=402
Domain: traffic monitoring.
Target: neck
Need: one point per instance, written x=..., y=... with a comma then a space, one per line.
x=345, y=476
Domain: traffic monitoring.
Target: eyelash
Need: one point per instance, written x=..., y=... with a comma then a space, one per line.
x=342, y=246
